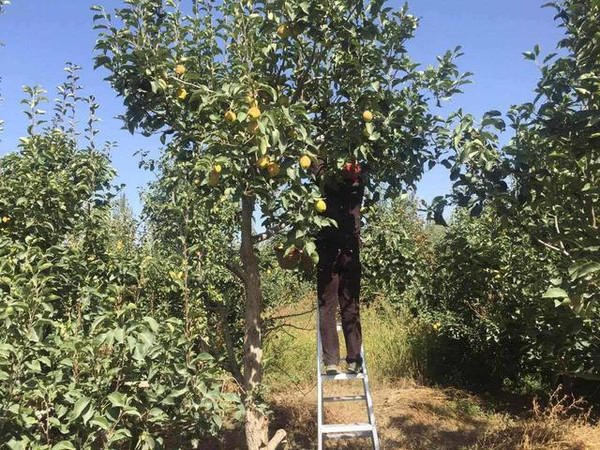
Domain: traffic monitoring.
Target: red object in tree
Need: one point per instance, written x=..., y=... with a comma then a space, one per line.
x=353, y=171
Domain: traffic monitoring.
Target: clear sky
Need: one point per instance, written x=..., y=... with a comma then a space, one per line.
x=39, y=36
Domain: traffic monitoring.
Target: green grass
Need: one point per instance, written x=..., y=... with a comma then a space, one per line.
x=395, y=345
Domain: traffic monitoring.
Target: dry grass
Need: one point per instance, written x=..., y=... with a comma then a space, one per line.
x=563, y=424
x=409, y=416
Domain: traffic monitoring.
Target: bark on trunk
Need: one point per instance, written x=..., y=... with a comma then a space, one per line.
x=257, y=425
x=256, y=422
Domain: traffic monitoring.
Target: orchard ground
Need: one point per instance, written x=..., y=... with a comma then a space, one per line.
x=410, y=413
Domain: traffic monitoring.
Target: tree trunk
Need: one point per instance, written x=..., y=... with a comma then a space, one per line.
x=256, y=422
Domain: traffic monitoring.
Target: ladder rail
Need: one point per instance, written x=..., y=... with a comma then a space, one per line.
x=343, y=430
x=319, y=381
x=369, y=400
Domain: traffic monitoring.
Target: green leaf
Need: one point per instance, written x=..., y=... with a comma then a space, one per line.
x=117, y=399
x=80, y=405
x=100, y=421
x=152, y=323
x=64, y=445
x=555, y=293
x=583, y=268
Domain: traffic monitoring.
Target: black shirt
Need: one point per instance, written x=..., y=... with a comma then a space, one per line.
x=343, y=195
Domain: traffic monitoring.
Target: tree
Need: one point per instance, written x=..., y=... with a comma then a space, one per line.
x=243, y=90
x=545, y=181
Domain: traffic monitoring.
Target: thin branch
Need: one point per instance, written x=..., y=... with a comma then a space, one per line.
x=233, y=363
x=292, y=315
x=237, y=270
x=187, y=83
x=304, y=77
x=552, y=247
x=562, y=246
x=269, y=233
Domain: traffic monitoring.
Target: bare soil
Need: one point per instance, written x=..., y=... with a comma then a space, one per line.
x=411, y=417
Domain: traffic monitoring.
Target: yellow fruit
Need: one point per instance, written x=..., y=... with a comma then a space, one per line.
x=268, y=271
x=305, y=161
x=119, y=246
x=283, y=31
x=230, y=116
x=217, y=168
x=196, y=181
x=254, y=112
x=180, y=69
x=367, y=116
x=181, y=93
x=273, y=169
x=263, y=162
x=5, y=219
x=321, y=206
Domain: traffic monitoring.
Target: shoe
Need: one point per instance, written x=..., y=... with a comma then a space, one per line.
x=355, y=367
x=332, y=369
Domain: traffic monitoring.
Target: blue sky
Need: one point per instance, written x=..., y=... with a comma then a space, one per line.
x=40, y=36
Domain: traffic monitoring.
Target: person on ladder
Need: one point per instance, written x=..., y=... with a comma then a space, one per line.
x=339, y=268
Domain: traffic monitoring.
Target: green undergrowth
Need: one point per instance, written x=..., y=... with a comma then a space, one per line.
x=395, y=345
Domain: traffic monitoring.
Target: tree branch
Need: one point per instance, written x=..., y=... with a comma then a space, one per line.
x=269, y=233
x=237, y=270
x=300, y=86
x=292, y=315
x=233, y=363
x=276, y=440
x=552, y=247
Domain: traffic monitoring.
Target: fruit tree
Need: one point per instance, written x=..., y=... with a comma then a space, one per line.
x=251, y=93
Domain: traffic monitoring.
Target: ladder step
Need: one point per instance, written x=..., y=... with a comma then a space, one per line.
x=348, y=428
x=344, y=376
x=345, y=398
x=358, y=434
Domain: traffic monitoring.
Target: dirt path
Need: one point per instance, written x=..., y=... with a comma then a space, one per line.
x=423, y=418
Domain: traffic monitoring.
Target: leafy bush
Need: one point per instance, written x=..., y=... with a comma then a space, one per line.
x=485, y=297
x=395, y=252
x=84, y=363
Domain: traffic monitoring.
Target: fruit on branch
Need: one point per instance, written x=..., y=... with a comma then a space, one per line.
x=263, y=162
x=305, y=161
x=284, y=30
x=180, y=69
x=181, y=93
x=230, y=116
x=254, y=112
x=273, y=169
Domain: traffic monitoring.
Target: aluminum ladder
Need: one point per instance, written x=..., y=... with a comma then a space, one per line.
x=347, y=430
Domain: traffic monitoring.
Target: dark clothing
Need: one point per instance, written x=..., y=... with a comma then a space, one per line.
x=339, y=269
x=343, y=197
x=338, y=280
